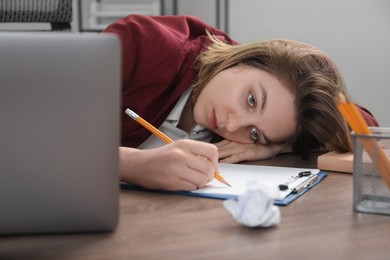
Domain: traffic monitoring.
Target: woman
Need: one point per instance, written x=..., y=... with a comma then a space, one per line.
x=263, y=98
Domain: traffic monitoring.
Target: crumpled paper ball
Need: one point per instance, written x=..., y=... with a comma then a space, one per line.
x=255, y=208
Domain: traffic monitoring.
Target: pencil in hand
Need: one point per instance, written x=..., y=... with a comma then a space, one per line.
x=163, y=136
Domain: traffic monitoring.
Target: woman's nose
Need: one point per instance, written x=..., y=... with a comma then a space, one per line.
x=234, y=122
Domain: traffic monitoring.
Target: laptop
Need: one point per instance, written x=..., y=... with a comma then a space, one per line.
x=59, y=133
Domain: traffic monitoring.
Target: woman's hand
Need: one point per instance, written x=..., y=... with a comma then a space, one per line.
x=182, y=165
x=232, y=152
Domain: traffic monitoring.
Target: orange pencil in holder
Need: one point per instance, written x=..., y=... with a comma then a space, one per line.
x=356, y=121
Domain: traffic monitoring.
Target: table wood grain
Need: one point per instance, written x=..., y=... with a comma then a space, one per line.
x=319, y=225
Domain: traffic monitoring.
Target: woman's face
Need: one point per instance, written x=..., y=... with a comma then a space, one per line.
x=247, y=105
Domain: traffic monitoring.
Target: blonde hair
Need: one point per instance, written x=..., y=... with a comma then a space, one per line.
x=308, y=73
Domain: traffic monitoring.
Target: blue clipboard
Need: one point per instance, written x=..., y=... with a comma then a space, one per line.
x=282, y=202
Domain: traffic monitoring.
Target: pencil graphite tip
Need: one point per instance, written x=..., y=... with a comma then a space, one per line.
x=221, y=179
x=226, y=183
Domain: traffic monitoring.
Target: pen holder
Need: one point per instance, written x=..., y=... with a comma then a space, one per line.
x=371, y=194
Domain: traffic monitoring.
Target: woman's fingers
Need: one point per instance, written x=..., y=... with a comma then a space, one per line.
x=201, y=157
x=182, y=165
x=232, y=152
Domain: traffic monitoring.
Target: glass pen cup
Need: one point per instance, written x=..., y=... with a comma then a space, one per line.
x=370, y=192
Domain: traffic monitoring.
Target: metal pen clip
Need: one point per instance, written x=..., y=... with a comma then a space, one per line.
x=305, y=184
x=285, y=186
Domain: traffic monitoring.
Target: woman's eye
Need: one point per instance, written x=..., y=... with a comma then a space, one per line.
x=254, y=135
x=251, y=99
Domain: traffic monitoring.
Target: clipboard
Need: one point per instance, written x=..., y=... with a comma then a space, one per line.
x=238, y=175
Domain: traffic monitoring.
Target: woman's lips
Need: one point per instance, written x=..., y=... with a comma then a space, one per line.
x=213, y=121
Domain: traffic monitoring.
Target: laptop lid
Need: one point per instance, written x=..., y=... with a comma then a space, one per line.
x=59, y=134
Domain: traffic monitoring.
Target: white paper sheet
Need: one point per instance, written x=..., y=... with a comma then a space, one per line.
x=238, y=175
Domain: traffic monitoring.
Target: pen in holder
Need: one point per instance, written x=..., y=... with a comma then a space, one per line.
x=371, y=193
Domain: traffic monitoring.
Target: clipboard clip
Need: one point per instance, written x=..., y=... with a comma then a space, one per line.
x=305, y=184
x=285, y=186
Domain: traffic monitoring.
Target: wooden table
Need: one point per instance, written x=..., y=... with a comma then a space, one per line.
x=319, y=225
